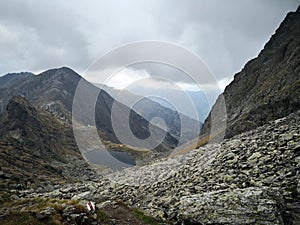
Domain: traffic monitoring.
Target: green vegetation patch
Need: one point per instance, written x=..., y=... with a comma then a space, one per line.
x=24, y=211
x=102, y=216
x=147, y=219
x=20, y=218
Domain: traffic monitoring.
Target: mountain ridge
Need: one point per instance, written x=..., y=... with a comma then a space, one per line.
x=150, y=109
x=268, y=86
x=54, y=90
x=36, y=146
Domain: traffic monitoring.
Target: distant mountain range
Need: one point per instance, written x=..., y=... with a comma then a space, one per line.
x=178, y=124
x=167, y=97
x=54, y=90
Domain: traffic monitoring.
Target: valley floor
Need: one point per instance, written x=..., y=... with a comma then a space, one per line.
x=253, y=178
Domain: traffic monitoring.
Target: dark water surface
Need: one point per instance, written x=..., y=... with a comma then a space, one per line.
x=115, y=160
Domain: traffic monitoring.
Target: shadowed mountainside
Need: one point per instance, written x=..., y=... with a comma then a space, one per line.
x=54, y=90
x=268, y=87
x=37, y=147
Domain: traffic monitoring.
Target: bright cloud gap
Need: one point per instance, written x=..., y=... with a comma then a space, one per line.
x=129, y=78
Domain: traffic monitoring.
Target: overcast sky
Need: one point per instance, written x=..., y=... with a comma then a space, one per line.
x=37, y=34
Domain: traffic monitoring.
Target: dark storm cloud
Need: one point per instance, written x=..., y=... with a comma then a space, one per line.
x=225, y=34
x=36, y=35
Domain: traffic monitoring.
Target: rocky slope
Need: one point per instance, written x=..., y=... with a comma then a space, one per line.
x=36, y=147
x=52, y=90
x=268, y=87
x=253, y=178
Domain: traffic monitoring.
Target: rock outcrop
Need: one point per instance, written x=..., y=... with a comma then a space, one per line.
x=251, y=179
x=268, y=87
x=37, y=147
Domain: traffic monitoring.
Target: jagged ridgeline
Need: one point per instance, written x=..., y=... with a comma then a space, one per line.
x=53, y=91
x=268, y=87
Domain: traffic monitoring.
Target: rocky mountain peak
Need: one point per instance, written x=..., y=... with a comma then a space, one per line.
x=268, y=87
x=54, y=91
x=60, y=72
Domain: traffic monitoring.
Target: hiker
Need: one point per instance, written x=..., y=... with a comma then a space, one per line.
x=19, y=185
x=91, y=207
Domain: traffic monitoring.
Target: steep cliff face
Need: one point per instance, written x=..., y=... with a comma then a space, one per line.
x=268, y=87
